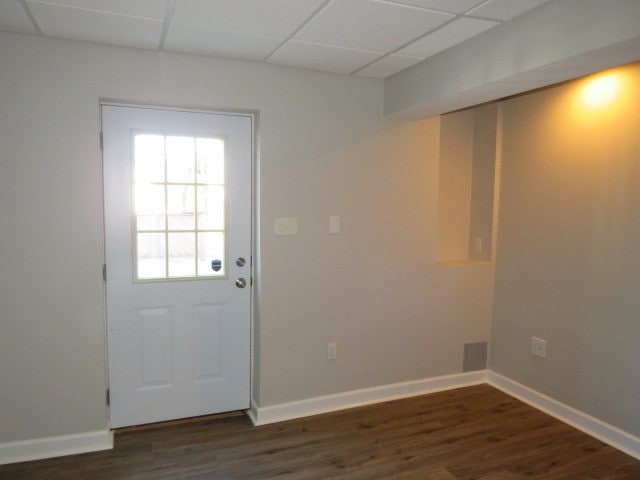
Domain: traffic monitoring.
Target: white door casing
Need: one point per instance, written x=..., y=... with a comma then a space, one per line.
x=178, y=345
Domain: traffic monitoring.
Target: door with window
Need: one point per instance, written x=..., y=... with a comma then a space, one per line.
x=177, y=200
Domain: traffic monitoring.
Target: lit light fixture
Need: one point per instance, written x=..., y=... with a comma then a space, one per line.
x=601, y=90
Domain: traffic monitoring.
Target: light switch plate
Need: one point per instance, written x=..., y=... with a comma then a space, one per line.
x=334, y=225
x=477, y=245
x=285, y=226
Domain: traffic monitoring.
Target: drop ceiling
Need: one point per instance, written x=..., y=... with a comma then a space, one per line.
x=369, y=38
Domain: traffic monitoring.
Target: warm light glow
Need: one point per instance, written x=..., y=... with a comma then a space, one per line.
x=601, y=90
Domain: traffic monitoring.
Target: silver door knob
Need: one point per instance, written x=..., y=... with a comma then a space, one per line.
x=241, y=283
x=240, y=261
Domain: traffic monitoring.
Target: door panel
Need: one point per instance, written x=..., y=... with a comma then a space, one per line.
x=177, y=214
x=208, y=339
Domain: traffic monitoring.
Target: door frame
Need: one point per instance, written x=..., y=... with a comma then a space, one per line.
x=254, y=269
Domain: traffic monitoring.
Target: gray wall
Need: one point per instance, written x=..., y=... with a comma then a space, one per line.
x=568, y=261
x=324, y=150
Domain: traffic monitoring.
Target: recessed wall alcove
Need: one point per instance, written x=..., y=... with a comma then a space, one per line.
x=466, y=185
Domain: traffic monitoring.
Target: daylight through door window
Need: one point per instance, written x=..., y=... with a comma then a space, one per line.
x=179, y=203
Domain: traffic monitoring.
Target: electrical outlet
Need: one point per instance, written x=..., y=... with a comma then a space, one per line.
x=539, y=347
x=332, y=350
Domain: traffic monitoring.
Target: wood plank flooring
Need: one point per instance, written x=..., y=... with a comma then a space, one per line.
x=474, y=433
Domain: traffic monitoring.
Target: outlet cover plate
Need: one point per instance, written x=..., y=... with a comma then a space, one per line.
x=539, y=347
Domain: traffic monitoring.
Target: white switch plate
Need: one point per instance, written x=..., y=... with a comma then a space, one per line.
x=285, y=226
x=539, y=347
x=332, y=350
x=477, y=245
x=334, y=225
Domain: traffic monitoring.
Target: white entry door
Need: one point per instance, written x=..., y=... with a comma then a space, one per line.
x=177, y=198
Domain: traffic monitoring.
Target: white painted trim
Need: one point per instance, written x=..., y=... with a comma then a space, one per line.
x=603, y=431
x=252, y=412
x=39, y=448
x=609, y=434
x=366, y=396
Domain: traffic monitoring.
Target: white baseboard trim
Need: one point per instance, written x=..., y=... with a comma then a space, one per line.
x=357, y=398
x=39, y=448
x=609, y=434
x=251, y=413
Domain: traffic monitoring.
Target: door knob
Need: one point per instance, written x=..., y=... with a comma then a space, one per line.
x=241, y=283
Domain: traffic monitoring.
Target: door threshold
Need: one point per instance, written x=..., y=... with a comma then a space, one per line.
x=179, y=421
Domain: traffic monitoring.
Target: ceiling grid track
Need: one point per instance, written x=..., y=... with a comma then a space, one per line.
x=168, y=16
x=300, y=27
x=29, y=14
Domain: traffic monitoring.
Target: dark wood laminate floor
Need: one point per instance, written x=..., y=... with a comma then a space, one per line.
x=470, y=433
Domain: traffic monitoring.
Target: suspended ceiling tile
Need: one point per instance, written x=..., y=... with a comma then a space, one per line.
x=456, y=32
x=337, y=35
x=92, y=26
x=387, y=66
x=261, y=17
x=369, y=25
x=453, y=6
x=154, y=9
x=207, y=41
x=13, y=18
x=505, y=9
x=321, y=57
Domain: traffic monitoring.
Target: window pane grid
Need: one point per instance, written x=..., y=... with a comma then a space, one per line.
x=187, y=201
x=181, y=231
x=197, y=184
